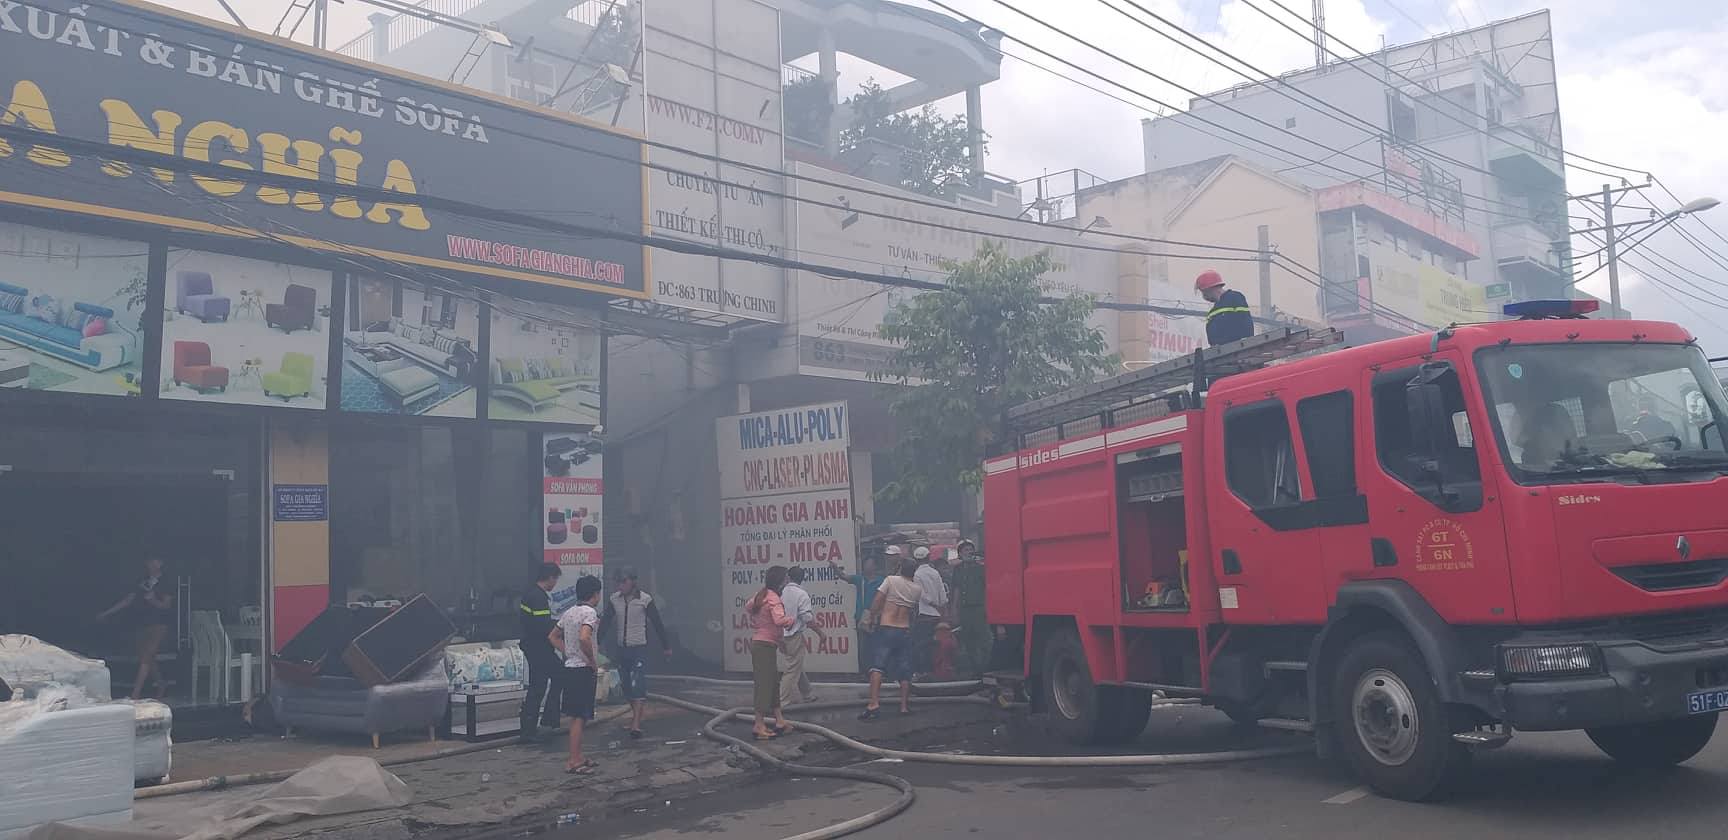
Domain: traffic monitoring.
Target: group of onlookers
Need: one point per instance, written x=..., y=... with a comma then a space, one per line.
x=564, y=665
x=917, y=614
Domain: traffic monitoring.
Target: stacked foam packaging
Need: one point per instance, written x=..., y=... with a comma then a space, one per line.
x=47, y=678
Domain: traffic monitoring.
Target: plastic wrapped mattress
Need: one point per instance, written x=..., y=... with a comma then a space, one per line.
x=60, y=764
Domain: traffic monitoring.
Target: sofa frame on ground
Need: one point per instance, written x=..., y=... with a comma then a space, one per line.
x=343, y=704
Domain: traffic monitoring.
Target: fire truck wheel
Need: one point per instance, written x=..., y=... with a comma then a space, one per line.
x=1126, y=712
x=1393, y=727
x=1653, y=745
x=1077, y=707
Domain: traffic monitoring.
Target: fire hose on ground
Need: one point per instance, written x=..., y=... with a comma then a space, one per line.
x=907, y=793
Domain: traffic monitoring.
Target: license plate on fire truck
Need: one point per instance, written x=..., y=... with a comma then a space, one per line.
x=1704, y=702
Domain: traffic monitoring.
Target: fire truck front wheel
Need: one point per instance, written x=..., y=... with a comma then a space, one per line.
x=1392, y=726
x=1654, y=745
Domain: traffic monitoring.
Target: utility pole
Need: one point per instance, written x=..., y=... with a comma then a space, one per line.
x=1319, y=34
x=1610, y=239
x=1265, y=272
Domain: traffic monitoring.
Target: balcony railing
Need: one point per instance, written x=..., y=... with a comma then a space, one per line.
x=401, y=30
x=1523, y=243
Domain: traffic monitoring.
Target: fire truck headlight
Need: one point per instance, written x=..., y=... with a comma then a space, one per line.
x=1550, y=660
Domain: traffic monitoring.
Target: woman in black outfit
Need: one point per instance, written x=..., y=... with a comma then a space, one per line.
x=151, y=608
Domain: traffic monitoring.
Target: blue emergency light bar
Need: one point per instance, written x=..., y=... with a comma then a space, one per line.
x=1539, y=309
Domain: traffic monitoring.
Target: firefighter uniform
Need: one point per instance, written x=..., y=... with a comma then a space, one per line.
x=1229, y=320
x=545, y=667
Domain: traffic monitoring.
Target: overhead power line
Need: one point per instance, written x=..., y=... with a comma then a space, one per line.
x=1331, y=152
x=96, y=149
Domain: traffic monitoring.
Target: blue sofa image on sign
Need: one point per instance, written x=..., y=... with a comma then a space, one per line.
x=81, y=333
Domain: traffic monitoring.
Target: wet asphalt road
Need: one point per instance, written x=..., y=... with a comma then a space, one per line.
x=1542, y=785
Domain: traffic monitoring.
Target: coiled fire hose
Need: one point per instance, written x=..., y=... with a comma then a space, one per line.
x=907, y=795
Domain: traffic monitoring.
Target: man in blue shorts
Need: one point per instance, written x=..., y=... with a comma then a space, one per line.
x=890, y=623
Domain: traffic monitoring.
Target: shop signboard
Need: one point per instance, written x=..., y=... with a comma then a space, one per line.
x=1496, y=291
x=852, y=223
x=571, y=496
x=1420, y=291
x=302, y=503
x=786, y=500
x=713, y=82
x=158, y=82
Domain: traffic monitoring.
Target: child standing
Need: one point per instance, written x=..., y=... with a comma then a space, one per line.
x=947, y=650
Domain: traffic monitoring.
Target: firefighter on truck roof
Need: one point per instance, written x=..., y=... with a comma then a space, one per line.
x=1230, y=319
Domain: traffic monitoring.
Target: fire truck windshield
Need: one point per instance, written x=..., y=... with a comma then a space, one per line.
x=1581, y=412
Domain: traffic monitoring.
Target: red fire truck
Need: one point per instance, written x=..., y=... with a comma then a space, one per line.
x=1411, y=548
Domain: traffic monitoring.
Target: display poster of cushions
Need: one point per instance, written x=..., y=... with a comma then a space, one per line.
x=70, y=312
x=545, y=363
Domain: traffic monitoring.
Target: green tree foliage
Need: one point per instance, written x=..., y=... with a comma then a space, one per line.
x=936, y=150
x=969, y=352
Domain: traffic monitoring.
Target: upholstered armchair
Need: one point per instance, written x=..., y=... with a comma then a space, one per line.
x=298, y=307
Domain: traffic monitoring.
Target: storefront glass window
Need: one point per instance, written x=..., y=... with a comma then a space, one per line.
x=89, y=497
x=448, y=511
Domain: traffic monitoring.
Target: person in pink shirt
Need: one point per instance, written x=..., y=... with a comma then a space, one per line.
x=768, y=621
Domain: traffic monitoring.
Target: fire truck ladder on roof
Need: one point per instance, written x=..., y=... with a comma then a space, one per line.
x=1198, y=371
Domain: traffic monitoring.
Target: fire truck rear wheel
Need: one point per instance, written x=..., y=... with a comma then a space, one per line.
x=1078, y=707
x=1392, y=726
x=1654, y=745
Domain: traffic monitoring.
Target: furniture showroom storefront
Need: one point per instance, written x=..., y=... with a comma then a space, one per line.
x=292, y=395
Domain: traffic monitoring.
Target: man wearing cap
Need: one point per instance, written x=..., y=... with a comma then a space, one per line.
x=932, y=600
x=624, y=629
x=1230, y=318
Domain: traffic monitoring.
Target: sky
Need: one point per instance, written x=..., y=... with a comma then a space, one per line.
x=1642, y=85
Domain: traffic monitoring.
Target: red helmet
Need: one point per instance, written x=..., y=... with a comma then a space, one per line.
x=1208, y=279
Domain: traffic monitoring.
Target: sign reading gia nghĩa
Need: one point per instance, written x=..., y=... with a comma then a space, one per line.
x=157, y=82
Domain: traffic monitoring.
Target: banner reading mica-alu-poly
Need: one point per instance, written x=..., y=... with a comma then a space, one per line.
x=154, y=81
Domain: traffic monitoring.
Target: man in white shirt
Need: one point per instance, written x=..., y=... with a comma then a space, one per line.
x=794, y=683
x=575, y=636
x=933, y=598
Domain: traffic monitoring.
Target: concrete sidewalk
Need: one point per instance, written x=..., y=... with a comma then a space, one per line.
x=523, y=786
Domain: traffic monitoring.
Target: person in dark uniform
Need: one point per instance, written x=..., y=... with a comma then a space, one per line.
x=1230, y=318
x=545, y=667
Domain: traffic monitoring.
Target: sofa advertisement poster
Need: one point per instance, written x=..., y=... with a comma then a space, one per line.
x=410, y=349
x=70, y=311
x=545, y=364
x=786, y=500
x=244, y=331
x=94, y=94
x=571, y=501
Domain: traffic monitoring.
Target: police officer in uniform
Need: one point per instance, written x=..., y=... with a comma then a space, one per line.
x=1230, y=319
x=545, y=666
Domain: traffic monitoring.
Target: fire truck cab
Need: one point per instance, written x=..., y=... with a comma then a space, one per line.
x=1412, y=548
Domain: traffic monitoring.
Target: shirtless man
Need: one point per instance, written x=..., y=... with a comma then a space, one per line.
x=890, y=622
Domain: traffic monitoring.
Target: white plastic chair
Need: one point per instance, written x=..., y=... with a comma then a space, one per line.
x=211, y=650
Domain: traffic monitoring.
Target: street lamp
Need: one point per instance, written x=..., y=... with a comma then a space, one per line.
x=1612, y=245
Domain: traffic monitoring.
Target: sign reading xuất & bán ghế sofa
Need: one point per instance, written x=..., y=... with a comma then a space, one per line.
x=151, y=80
